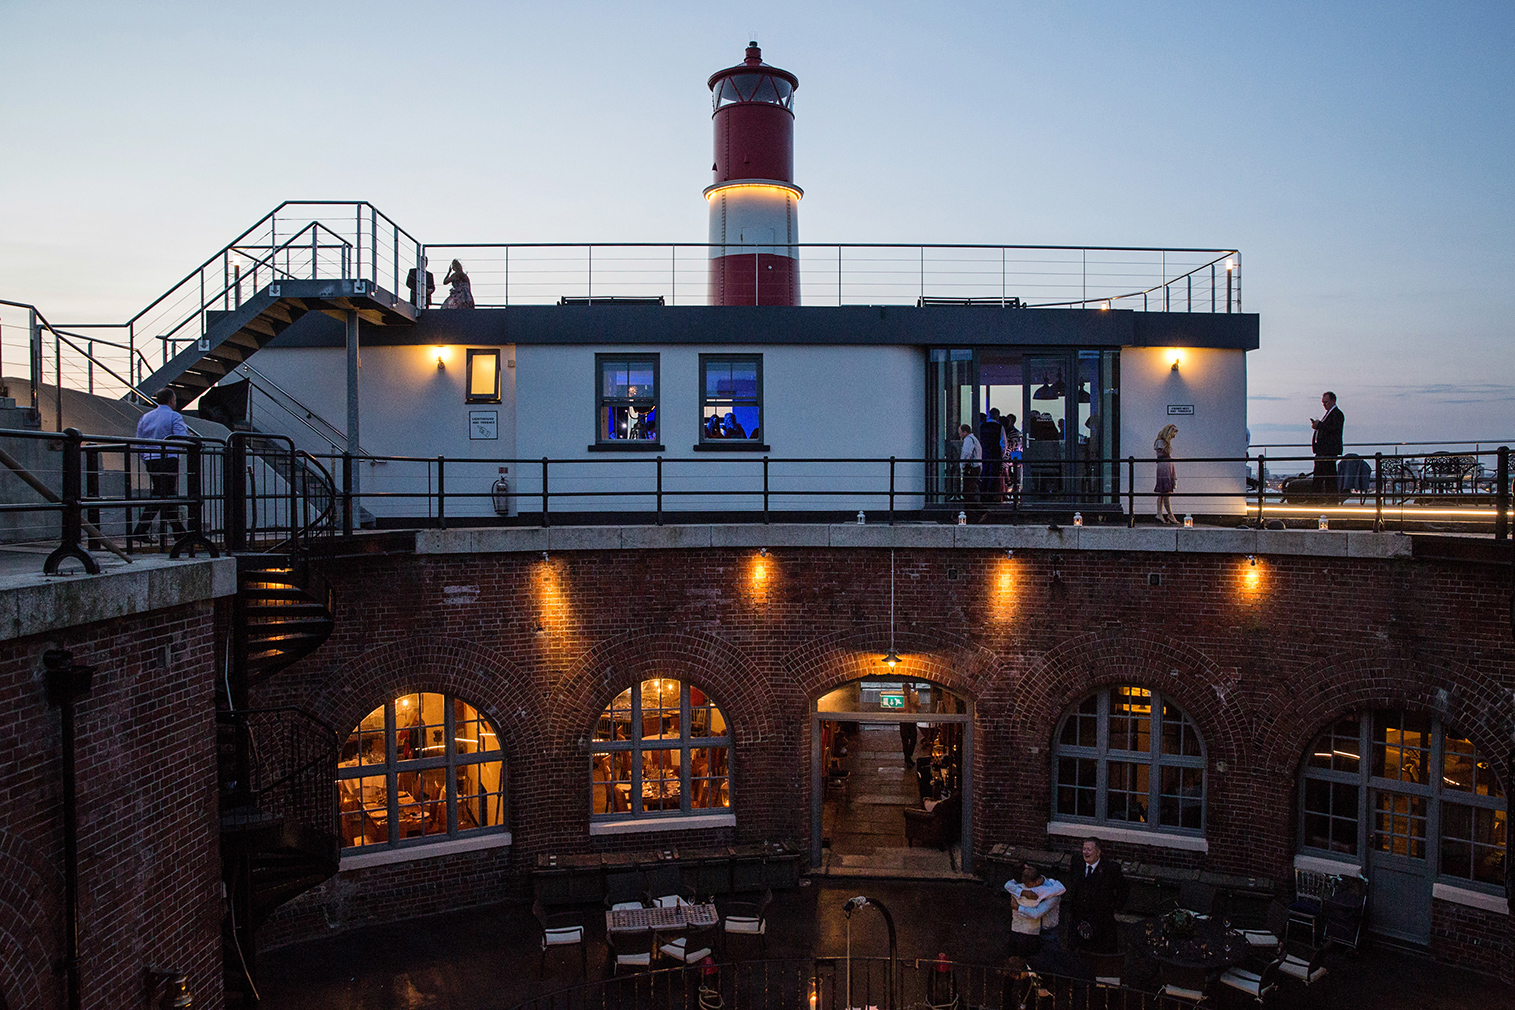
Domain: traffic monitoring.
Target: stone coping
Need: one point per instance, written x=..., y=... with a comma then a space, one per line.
x=1305, y=543
x=35, y=604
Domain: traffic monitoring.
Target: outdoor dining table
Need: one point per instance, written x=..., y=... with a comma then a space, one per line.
x=1212, y=946
x=658, y=918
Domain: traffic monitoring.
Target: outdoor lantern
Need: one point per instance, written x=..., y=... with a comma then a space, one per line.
x=1188, y=522
x=891, y=660
x=1252, y=560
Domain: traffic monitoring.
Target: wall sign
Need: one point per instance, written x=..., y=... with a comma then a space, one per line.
x=483, y=424
x=891, y=700
x=1181, y=409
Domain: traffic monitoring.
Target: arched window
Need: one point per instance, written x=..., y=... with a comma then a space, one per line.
x=420, y=768
x=662, y=748
x=1128, y=755
x=1424, y=796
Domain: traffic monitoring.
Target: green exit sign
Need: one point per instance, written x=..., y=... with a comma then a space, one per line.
x=891, y=700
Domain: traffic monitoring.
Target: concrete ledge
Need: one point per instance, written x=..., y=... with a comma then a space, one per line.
x=923, y=536
x=639, y=824
x=1321, y=864
x=383, y=857
x=1495, y=903
x=1135, y=836
x=37, y=604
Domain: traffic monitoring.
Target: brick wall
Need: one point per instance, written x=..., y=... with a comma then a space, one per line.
x=149, y=879
x=1260, y=658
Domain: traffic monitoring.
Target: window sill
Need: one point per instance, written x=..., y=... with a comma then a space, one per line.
x=640, y=824
x=1326, y=864
x=411, y=853
x=1495, y=903
x=1159, y=839
x=732, y=446
x=626, y=445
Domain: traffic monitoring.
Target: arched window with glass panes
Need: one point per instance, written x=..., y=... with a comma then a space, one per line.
x=662, y=748
x=1129, y=756
x=420, y=768
x=1424, y=794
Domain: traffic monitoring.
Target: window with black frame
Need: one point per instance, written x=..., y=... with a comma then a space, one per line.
x=662, y=748
x=1129, y=756
x=421, y=768
x=731, y=398
x=627, y=391
x=1370, y=783
x=483, y=376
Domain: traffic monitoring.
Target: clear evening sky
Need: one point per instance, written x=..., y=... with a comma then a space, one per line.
x=1360, y=155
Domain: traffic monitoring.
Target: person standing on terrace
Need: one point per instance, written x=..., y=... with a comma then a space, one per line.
x=1167, y=479
x=461, y=295
x=1326, y=443
x=162, y=422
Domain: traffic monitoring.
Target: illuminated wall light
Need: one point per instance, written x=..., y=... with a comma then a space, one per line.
x=1177, y=358
x=441, y=358
x=1252, y=560
x=891, y=660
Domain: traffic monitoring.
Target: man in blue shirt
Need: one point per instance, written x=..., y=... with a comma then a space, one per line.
x=162, y=422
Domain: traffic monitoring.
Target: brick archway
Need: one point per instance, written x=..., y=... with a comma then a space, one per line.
x=828, y=662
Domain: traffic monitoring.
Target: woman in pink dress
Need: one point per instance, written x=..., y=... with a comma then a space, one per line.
x=1167, y=480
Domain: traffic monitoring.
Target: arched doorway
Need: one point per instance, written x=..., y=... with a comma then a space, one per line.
x=891, y=784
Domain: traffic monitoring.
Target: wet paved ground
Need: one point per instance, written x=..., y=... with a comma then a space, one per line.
x=487, y=959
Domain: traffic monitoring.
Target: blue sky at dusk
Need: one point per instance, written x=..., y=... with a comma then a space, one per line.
x=1358, y=154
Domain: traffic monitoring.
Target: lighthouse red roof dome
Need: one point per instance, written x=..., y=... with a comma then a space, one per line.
x=753, y=81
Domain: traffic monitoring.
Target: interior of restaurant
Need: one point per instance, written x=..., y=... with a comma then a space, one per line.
x=892, y=786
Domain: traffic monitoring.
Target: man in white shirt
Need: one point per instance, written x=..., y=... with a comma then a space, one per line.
x=971, y=462
x=1035, y=918
x=162, y=422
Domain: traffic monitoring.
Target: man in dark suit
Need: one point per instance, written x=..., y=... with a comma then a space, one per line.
x=1097, y=891
x=1326, y=444
x=991, y=433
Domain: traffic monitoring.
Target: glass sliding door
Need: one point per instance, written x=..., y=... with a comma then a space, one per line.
x=949, y=403
x=1047, y=467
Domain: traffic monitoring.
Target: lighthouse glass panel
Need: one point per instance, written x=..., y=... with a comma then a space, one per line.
x=628, y=399
x=731, y=405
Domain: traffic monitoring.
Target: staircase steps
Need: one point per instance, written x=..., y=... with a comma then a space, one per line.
x=280, y=621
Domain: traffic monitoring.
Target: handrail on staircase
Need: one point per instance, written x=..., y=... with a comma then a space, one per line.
x=334, y=435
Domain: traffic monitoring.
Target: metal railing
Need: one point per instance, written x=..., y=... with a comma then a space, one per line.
x=303, y=239
x=1110, y=277
x=823, y=984
x=260, y=492
x=284, y=761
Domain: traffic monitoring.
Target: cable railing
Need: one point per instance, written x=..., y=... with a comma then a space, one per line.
x=678, y=273
x=260, y=492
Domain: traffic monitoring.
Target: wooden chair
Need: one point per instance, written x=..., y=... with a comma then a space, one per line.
x=691, y=946
x=1184, y=984
x=559, y=932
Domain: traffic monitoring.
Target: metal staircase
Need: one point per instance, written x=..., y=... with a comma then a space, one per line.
x=276, y=766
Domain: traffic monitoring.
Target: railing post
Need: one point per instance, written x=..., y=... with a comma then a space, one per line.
x=92, y=490
x=765, y=486
x=236, y=494
x=1262, y=485
x=73, y=515
x=347, y=494
x=545, y=520
x=1378, y=492
x=1502, y=493
x=660, y=490
x=891, y=490
x=1131, y=492
x=441, y=492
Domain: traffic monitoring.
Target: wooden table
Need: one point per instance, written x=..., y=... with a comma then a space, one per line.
x=677, y=917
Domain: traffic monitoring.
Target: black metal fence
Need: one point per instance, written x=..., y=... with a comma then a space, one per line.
x=842, y=983
x=259, y=492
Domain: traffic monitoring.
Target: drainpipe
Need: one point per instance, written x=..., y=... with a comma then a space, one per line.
x=67, y=683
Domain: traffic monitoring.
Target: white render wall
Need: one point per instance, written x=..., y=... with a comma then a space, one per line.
x=1214, y=382
x=818, y=401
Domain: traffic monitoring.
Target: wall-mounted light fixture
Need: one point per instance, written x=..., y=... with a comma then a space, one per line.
x=441, y=358
x=762, y=552
x=1252, y=560
x=1010, y=552
x=544, y=556
x=1177, y=357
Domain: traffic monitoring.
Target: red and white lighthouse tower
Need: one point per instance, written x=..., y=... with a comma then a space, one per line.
x=754, y=203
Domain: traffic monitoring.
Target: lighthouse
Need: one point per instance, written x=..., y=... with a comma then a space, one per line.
x=754, y=203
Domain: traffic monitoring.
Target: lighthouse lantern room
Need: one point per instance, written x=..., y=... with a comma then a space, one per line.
x=754, y=220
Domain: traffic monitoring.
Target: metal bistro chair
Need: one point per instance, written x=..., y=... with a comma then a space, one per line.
x=1311, y=888
x=1444, y=473
x=630, y=949
x=1258, y=985
x=1308, y=973
x=1345, y=911
x=559, y=932
x=747, y=918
